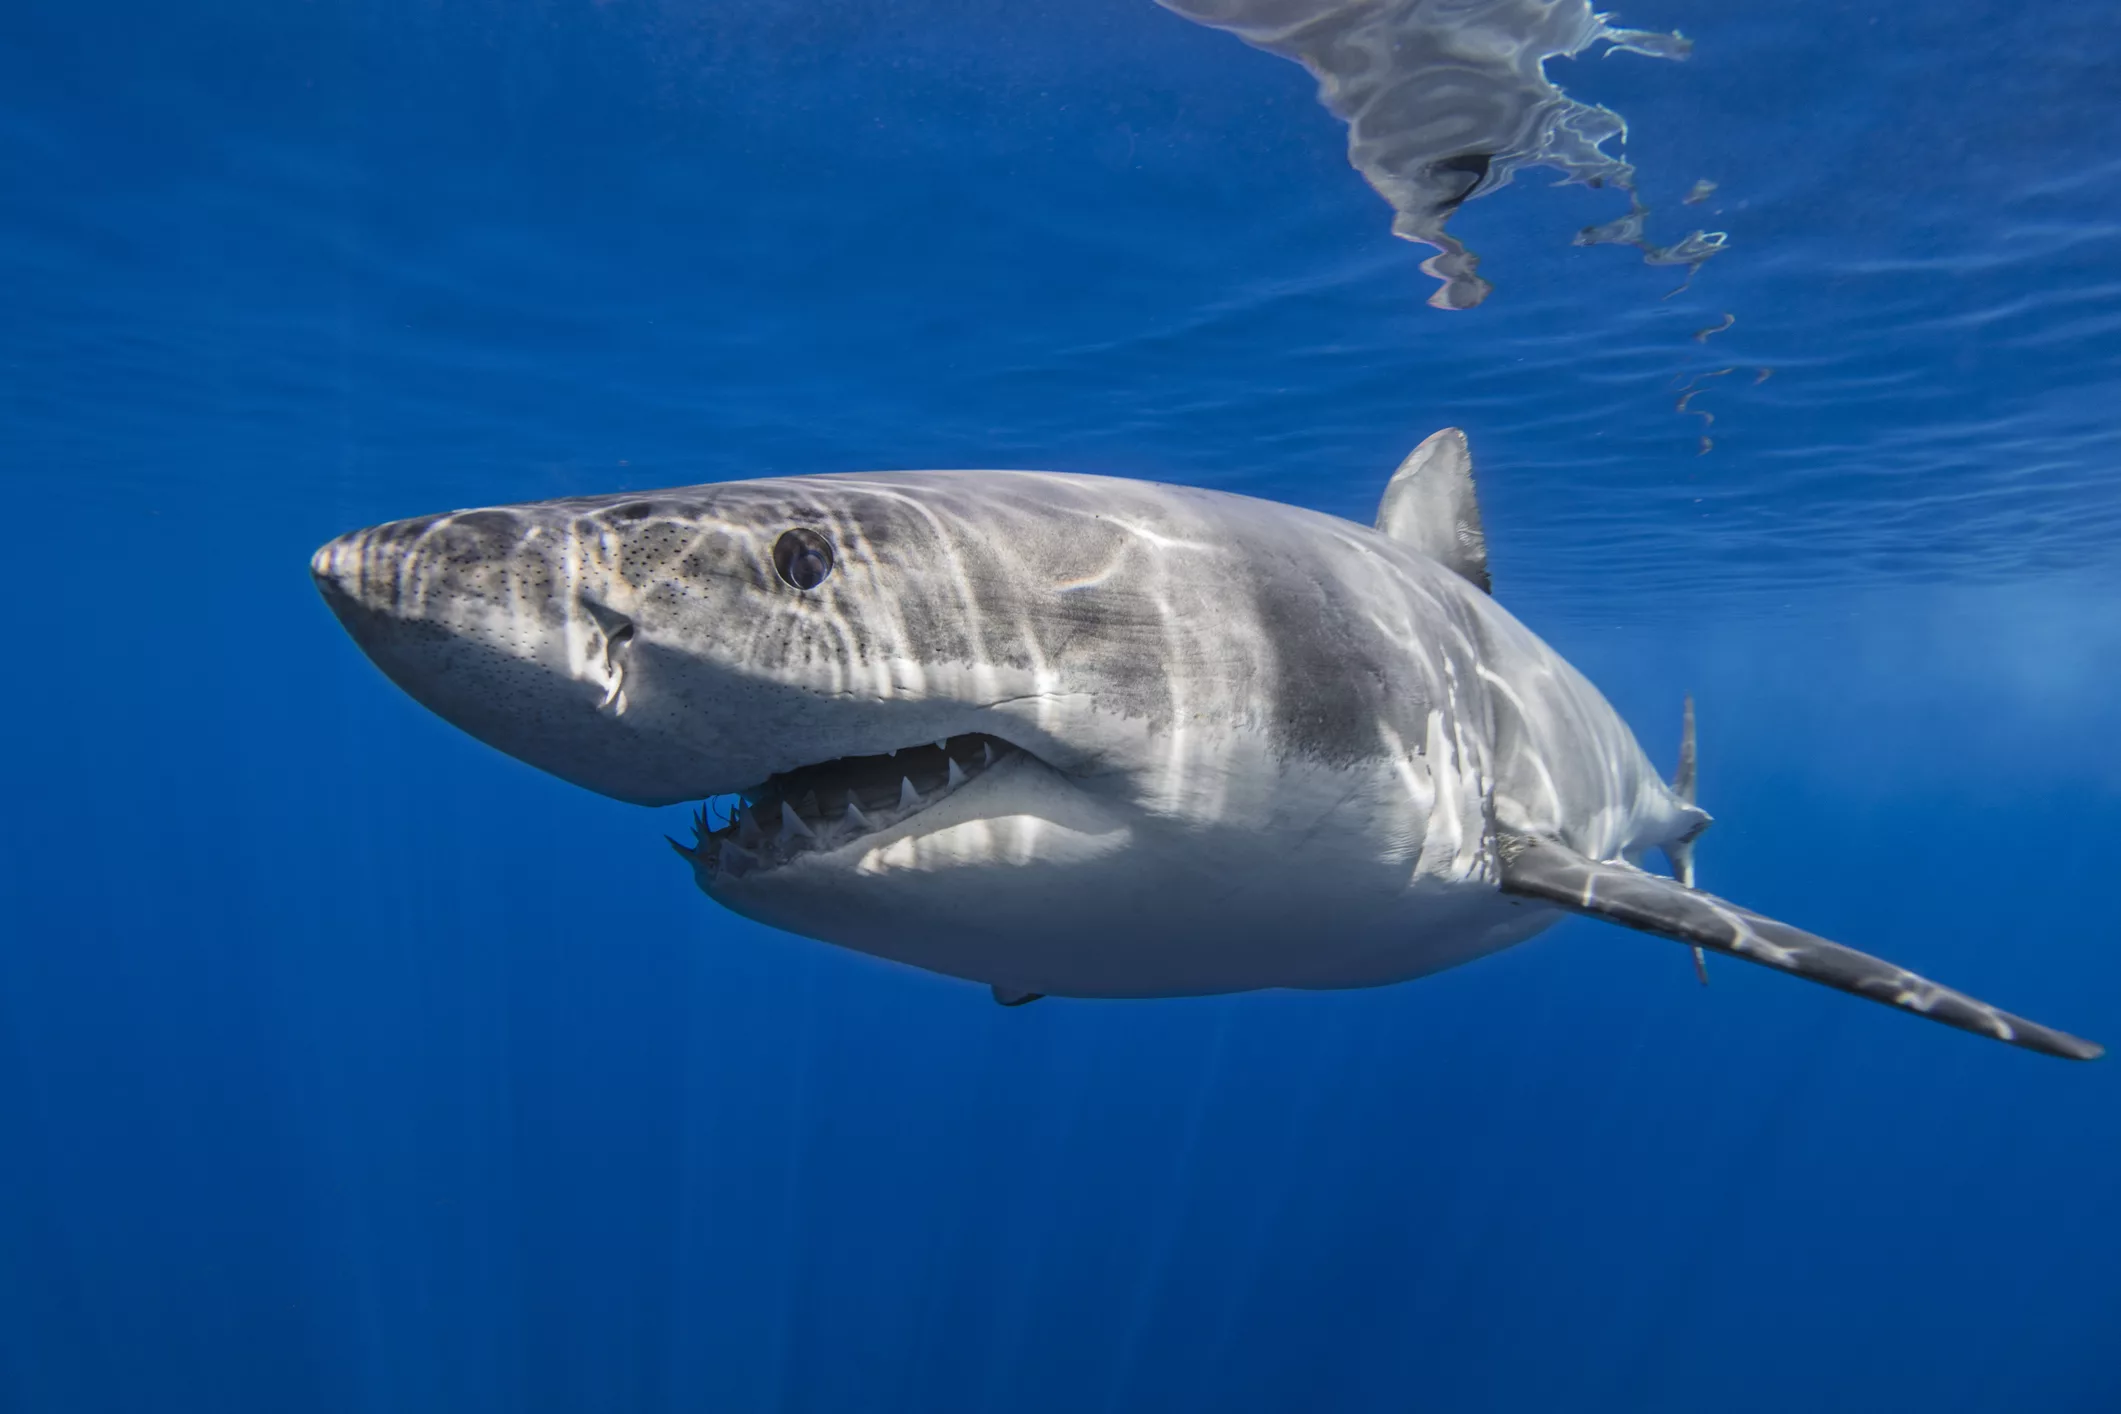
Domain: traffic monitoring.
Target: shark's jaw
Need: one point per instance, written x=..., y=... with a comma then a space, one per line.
x=840, y=806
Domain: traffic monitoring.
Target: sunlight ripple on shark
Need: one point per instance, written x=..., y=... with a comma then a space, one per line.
x=1071, y=735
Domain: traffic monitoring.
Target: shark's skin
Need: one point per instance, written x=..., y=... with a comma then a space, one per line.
x=1197, y=743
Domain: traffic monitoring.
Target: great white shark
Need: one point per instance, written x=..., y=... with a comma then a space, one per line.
x=1074, y=735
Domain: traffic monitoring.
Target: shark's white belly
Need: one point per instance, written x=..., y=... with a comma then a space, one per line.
x=1064, y=895
x=1127, y=936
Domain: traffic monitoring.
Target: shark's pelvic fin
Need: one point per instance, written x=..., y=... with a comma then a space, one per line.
x=1683, y=778
x=1553, y=873
x=1430, y=504
x=1681, y=851
x=1009, y=997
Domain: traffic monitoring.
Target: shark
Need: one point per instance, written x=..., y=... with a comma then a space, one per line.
x=1077, y=736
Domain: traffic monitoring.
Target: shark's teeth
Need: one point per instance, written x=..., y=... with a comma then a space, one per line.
x=784, y=818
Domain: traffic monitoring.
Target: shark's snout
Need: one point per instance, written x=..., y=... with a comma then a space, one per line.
x=336, y=569
x=431, y=566
x=362, y=590
x=479, y=616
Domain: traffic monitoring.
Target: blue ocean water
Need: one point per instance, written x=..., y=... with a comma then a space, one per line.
x=348, y=1065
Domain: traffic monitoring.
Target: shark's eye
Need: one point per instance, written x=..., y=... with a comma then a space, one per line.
x=802, y=558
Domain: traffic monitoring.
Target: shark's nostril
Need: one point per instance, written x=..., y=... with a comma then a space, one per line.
x=615, y=626
x=617, y=631
x=615, y=637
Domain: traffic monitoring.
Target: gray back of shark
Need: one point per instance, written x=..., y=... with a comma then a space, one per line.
x=1068, y=735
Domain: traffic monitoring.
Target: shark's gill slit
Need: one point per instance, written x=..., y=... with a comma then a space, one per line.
x=829, y=805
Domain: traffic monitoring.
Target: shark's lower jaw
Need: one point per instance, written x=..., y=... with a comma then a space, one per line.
x=826, y=807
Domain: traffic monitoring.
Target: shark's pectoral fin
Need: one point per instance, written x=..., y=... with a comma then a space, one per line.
x=1553, y=873
x=1010, y=997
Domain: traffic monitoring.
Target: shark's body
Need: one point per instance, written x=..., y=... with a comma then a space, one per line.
x=1067, y=735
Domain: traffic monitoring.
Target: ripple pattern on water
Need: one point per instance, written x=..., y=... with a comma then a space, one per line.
x=1447, y=100
x=450, y=303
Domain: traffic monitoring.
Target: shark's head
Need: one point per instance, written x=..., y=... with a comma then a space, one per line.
x=654, y=648
x=897, y=675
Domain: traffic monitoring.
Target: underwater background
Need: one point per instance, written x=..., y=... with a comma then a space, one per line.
x=346, y=1064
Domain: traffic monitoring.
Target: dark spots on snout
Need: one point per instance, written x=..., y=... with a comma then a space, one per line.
x=649, y=547
x=705, y=564
x=461, y=553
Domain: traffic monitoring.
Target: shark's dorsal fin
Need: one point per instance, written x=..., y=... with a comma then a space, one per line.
x=1009, y=996
x=1430, y=504
x=1650, y=903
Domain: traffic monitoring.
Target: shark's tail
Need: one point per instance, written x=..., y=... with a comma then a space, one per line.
x=1681, y=851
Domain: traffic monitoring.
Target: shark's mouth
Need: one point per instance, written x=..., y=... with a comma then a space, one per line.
x=821, y=808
